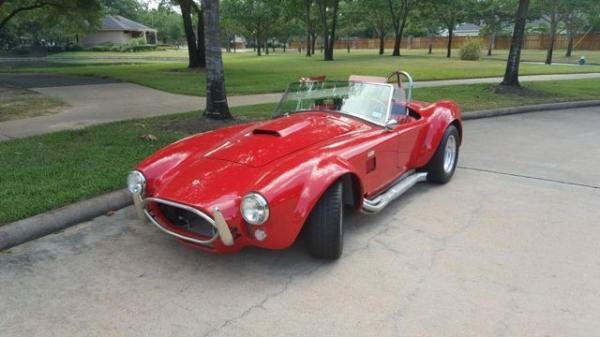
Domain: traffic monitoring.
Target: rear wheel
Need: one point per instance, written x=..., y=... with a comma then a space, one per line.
x=324, y=231
x=442, y=165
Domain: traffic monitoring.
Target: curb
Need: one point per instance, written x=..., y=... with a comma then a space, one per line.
x=43, y=224
x=528, y=108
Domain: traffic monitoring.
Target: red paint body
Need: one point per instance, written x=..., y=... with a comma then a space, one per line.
x=291, y=161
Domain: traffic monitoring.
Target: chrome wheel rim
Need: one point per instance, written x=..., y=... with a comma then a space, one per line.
x=450, y=154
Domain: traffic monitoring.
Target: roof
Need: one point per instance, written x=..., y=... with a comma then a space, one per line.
x=117, y=22
x=467, y=27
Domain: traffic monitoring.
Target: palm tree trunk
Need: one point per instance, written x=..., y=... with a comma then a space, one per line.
x=511, y=75
x=216, y=98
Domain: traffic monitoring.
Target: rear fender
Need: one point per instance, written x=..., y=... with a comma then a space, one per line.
x=440, y=115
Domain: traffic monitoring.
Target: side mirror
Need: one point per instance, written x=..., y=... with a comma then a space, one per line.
x=391, y=124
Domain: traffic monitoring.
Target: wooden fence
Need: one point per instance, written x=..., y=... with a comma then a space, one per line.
x=589, y=41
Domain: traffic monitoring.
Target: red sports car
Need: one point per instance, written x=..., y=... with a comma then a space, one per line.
x=360, y=143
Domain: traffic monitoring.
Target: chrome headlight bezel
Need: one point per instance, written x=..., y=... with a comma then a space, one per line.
x=254, y=202
x=136, y=182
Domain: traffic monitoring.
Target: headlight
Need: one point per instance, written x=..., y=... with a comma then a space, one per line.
x=254, y=208
x=136, y=182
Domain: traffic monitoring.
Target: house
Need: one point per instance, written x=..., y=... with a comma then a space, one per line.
x=119, y=30
x=463, y=29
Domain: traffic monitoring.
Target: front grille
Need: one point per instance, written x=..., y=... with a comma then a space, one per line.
x=187, y=220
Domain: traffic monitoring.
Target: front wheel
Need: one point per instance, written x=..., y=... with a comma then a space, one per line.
x=324, y=226
x=442, y=165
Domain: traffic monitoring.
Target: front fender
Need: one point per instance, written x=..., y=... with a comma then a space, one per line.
x=293, y=194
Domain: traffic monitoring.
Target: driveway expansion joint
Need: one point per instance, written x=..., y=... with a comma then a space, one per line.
x=562, y=182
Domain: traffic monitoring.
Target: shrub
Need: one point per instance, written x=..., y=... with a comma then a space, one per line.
x=471, y=50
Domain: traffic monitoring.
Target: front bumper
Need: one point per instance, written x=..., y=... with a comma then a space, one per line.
x=222, y=233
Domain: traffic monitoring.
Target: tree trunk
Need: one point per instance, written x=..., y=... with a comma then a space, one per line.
x=398, y=25
x=348, y=43
x=201, y=49
x=328, y=31
x=552, y=37
x=313, y=42
x=266, y=44
x=492, y=43
x=186, y=13
x=258, y=46
x=307, y=4
x=569, y=44
x=397, y=42
x=381, y=43
x=511, y=75
x=430, y=51
x=449, y=46
x=216, y=98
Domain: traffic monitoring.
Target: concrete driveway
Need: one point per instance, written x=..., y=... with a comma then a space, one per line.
x=510, y=247
x=93, y=101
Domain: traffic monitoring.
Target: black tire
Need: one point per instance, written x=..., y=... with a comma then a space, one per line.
x=324, y=230
x=436, y=173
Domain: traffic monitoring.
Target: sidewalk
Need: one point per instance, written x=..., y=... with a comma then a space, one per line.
x=107, y=102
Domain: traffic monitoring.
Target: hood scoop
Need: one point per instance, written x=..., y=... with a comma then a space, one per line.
x=281, y=129
x=266, y=132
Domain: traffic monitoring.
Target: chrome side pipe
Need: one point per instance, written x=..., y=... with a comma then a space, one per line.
x=404, y=184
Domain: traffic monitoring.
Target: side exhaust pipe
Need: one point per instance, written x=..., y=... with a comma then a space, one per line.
x=404, y=184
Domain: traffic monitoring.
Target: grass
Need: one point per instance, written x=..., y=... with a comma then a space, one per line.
x=45, y=172
x=16, y=103
x=249, y=74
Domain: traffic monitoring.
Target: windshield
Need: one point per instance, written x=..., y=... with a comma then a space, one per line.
x=368, y=101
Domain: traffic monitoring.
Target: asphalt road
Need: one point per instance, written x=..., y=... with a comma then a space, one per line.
x=510, y=247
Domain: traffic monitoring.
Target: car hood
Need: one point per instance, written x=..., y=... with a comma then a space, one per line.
x=266, y=142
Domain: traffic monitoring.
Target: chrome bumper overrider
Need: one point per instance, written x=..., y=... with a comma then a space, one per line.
x=218, y=222
x=400, y=187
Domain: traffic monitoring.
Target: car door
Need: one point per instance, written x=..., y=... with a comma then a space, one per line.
x=408, y=134
x=379, y=161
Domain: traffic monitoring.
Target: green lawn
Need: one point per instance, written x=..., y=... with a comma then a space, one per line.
x=249, y=74
x=49, y=171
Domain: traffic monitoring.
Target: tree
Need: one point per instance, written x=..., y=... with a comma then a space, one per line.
x=216, y=98
x=77, y=10
x=495, y=15
x=328, y=12
x=376, y=16
x=255, y=16
x=550, y=13
x=127, y=8
x=578, y=16
x=428, y=20
x=399, y=10
x=165, y=20
x=195, y=42
x=511, y=75
x=452, y=13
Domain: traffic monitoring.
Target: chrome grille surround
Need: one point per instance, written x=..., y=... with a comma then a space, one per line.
x=165, y=229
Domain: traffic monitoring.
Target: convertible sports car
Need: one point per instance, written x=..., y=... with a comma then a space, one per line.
x=358, y=143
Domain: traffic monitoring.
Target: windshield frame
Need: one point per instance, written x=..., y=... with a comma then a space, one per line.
x=277, y=113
